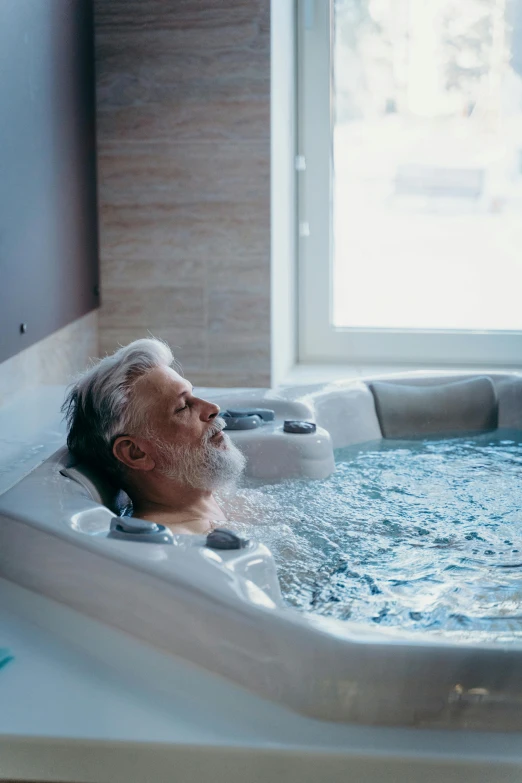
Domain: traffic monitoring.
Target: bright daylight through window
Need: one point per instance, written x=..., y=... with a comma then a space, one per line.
x=428, y=164
x=411, y=202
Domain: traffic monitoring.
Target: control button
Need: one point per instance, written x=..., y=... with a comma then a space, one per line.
x=130, y=529
x=267, y=414
x=220, y=538
x=299, y=427
x=132, y=525
x=241, y=422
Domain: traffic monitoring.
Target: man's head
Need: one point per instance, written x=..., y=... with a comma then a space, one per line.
x=133, y=415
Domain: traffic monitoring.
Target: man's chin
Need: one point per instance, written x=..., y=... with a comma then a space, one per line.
x=220, y=441
x=218, y=464
x=235, y=460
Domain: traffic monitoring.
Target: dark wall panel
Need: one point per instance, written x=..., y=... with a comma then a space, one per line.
x=48, y=222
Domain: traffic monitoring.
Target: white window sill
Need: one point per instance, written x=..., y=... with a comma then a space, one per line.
x=323, y=373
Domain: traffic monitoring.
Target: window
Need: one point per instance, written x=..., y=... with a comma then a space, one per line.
x=410, y=132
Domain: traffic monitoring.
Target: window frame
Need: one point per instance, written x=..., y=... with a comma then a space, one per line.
x=319, y=340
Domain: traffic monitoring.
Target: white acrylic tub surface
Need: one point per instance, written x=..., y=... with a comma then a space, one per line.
x=221, y=614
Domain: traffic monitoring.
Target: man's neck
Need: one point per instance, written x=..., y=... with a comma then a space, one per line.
x=182, y=509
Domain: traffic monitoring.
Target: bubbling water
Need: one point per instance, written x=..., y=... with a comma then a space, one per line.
x=421, y=534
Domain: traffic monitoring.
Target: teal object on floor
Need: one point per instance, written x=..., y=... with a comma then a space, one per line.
x=5, y=657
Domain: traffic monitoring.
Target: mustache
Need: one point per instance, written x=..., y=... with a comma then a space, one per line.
x=218, y=425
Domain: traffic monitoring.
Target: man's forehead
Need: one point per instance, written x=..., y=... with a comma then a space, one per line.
x=164, y=381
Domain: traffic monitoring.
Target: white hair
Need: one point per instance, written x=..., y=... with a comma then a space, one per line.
x=99, y=405
x=205, y=467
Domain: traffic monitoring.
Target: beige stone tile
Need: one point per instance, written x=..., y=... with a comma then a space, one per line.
x=230, y=364
x=189, y=345
x=184, y=15
x=186, y=172
x=182, y=231
x=183, y=95
x=239, y=353
x=148, y=66
x=230, y=379
x=169, y=120
x=171, y=306
x=139, y=274
x=238, y=312
x=188, y=68
x=131, y=71
x=240, y=272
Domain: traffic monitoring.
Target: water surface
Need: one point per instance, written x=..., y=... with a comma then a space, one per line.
x=421, y=534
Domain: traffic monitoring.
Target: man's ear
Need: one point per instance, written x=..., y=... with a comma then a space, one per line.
x=129, y=451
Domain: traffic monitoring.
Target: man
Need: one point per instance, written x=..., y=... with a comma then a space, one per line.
x=133, y=415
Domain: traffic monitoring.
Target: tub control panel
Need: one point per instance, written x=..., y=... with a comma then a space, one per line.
x=271, y=438
x=131, y=529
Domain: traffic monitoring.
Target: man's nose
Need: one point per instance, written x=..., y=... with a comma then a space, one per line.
x=210, y=410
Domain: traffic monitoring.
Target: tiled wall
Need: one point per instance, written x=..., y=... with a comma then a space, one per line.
x=54, y=360
x=183, y=114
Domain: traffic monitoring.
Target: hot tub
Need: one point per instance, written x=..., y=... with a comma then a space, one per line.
x=223, y=610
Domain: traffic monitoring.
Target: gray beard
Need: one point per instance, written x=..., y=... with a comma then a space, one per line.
x=206, y=467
